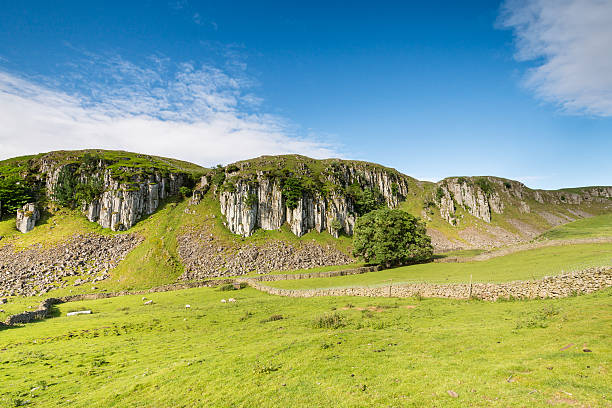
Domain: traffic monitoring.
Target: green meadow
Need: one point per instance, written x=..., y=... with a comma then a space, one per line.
x=266, y=351
x=524, y=265
x=269, y=351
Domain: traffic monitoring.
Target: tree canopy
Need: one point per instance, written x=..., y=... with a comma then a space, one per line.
x=391, y=237
x=14, y=193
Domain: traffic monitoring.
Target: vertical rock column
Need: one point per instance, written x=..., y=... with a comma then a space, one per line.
x=27, y=217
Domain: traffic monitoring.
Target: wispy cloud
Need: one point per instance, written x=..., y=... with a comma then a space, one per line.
x=189, y=111
x=569, y=42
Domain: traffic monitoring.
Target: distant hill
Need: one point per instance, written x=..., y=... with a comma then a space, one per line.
x=265, y=214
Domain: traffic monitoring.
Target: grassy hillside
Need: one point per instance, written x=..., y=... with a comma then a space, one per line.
x=525, y=265
x=600, y=226
x=115, y=159
x=382, y=352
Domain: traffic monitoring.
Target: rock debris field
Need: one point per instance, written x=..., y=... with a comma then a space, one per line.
x=204, y=256
x=36, y=269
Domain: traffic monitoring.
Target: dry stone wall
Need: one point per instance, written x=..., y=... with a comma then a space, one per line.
x=587, y=281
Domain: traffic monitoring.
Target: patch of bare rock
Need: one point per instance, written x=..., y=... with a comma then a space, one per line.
x=36, y=269
x=204, y=255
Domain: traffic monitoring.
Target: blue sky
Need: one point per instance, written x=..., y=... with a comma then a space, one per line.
x=520, y=89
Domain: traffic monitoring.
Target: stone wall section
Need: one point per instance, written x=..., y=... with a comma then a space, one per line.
x=587, y=281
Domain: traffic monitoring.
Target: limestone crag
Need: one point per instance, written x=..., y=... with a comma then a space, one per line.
x=258, y=201
x=469, y=196
x=122, y=203
x=204, y=255
x=483, y=197
x=36, y=270
x=27, y=218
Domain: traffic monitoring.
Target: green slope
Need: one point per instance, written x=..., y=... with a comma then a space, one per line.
x=386, y=352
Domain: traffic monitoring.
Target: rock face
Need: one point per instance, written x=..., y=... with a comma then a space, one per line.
x=120, y=205
x=258, y=201
x=27, y=218
x=463, y=192
x=483, y=197
x=36, y=270
x=122, y=202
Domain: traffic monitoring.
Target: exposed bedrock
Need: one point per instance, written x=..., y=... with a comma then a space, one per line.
x=472, y=198
x=259, y=202
x=122, y=203
x=27, y=218
x=483, y=197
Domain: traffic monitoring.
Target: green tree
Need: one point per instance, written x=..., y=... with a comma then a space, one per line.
x=365, y=200
x=185, y=191
x=65, y=189
x=391, y=237
x=14, y=193
x=292, y=191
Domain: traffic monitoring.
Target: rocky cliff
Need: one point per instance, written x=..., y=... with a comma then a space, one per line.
x=27, y=218
x=306, y=194
x=113, y=194
x=484, y=196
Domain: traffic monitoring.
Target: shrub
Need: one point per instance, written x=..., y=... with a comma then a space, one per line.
x=232, y=168
x=329, y=321
x=219, y=178
x=272, y=318
x=65, y=188
x=365, y=200
x=395, y=189
x=292, y=191
x=484, y=185
x=14, y=193
x=185, y=191
x=391, y=237
x=336, y=225
x=224, y=288
x=439, y=193
x=228, y=186
x=250, y=200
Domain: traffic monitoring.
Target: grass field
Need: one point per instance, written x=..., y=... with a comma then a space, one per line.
x=599, y=226
x=378, y=352
x=531, y=264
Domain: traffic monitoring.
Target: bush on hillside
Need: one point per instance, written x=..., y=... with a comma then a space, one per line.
x=14, y=193
x=391, y=237
x=365, y=200
x=292, y=191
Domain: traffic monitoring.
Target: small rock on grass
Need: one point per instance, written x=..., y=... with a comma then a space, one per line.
x=452, y=393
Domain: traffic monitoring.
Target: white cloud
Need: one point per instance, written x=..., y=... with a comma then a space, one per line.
x=570, y=43
x=199, y=114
